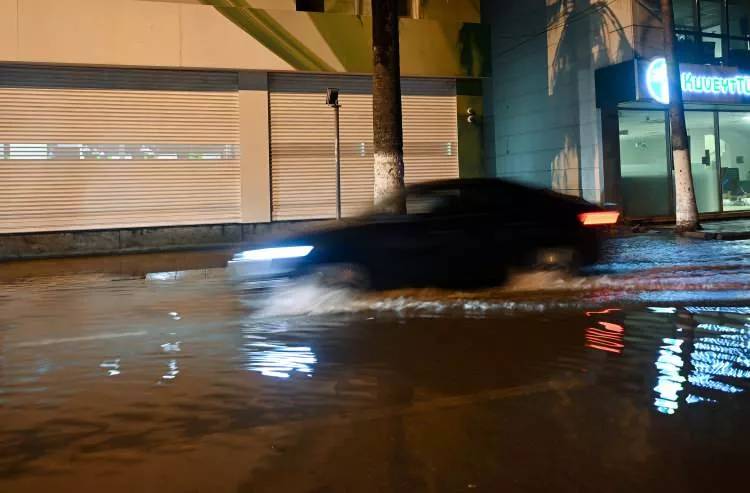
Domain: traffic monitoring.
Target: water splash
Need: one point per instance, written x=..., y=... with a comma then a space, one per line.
x=532, y=291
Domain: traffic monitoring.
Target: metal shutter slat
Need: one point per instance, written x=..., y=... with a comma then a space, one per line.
x=302, y=130
x=191, y=118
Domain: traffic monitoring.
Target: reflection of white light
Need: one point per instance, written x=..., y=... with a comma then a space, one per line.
x=707, y=382
x=740, y=310
x=173, y=370
x=112, y=366
x=274, y=253
x=276, y=360
x=694, y=399
x=670, y=382
x=170, y=347
x=721, y=328
x=658, y=309
x=746, y=118
x=162, y=276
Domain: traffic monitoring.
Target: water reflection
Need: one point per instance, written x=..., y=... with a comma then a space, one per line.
x=708, y=361
x=739, y=310
x=173, y=370
x=607, y=337
x=112, y=367
x=702, y=356
x=670, y=381
x=277, y=360
x=274, y=358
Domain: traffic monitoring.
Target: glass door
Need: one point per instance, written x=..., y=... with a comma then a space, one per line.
x=734, y=142
x=644, y=173
x=701, y=129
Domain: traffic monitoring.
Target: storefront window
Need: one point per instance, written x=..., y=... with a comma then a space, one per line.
x=734, y=130
x=703, y=159
x=684, y=14
x=645, y=182
x=713, y=31
x=739, y=18
x=711, y=18
x=720, y=161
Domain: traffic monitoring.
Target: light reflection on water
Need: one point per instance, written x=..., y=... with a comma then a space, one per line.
x=264, y=352
x=701, y=362
x=670, y=381
x=278, y=360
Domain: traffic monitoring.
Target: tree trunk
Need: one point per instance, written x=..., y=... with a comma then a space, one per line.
x=386, y=102
x=686, y=209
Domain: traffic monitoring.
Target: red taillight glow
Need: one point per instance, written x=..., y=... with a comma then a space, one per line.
x=600, y=218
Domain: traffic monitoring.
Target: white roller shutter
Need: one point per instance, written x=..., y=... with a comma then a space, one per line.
x=114, y=148
x=302, y=133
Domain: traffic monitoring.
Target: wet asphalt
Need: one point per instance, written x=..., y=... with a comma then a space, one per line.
x=158, y=373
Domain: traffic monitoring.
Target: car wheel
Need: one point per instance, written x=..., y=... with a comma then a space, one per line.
x=343, y=275
x=567, y=259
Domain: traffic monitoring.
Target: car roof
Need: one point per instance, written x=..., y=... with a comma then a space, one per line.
x=509, y=186
x=464, y=182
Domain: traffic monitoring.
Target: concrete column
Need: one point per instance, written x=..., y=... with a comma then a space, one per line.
x=611, y=144
x=470, y=134
x=255, y=148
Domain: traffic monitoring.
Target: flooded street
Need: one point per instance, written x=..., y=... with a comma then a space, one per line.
x=159, y=374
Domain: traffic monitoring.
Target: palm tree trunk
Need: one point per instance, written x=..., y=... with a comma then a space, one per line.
x=386, y=101
x=686, y=209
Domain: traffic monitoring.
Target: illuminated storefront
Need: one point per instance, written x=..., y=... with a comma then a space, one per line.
x=717, y=100
x=579, y=101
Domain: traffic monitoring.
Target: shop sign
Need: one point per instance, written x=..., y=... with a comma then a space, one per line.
x=700, y=83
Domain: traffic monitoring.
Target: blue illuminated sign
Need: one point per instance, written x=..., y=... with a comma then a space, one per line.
x=656, y=81
x=700, y=83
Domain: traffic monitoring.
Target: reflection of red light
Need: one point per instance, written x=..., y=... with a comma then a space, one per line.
x=603, y=312
x=613, y=327
x=609, y=339
x=604, y=348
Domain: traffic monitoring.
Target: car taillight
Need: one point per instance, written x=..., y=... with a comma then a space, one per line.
x=599, y=218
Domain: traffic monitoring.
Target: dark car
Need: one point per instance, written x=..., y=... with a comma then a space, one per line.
x=455, y=233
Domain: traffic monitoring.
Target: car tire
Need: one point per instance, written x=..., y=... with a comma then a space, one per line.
x=566, y=259
x=342, y=275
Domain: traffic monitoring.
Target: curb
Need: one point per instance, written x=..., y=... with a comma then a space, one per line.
x=718, y=235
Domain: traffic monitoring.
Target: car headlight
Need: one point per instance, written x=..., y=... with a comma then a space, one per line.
x=265, y=254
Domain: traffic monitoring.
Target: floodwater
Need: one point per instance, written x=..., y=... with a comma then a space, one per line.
x=158, y=374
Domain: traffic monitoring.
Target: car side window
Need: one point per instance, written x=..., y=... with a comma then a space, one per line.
x=491, y=199
x=440, y=201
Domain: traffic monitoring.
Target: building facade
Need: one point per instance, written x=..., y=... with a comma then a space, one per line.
x=145, y=113
x=579, y=100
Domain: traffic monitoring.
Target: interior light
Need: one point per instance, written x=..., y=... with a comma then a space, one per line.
x=264, y=254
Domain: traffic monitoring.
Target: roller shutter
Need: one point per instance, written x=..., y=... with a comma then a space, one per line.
x=302, y=133
x=114, y=148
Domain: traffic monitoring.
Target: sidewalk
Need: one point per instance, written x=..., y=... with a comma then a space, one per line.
x=738, y=229
x=726, y=230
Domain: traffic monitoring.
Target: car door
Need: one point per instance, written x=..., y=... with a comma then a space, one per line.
x=451, y=235
x=422, y=246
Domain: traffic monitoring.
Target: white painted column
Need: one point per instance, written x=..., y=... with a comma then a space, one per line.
x=255, y=148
